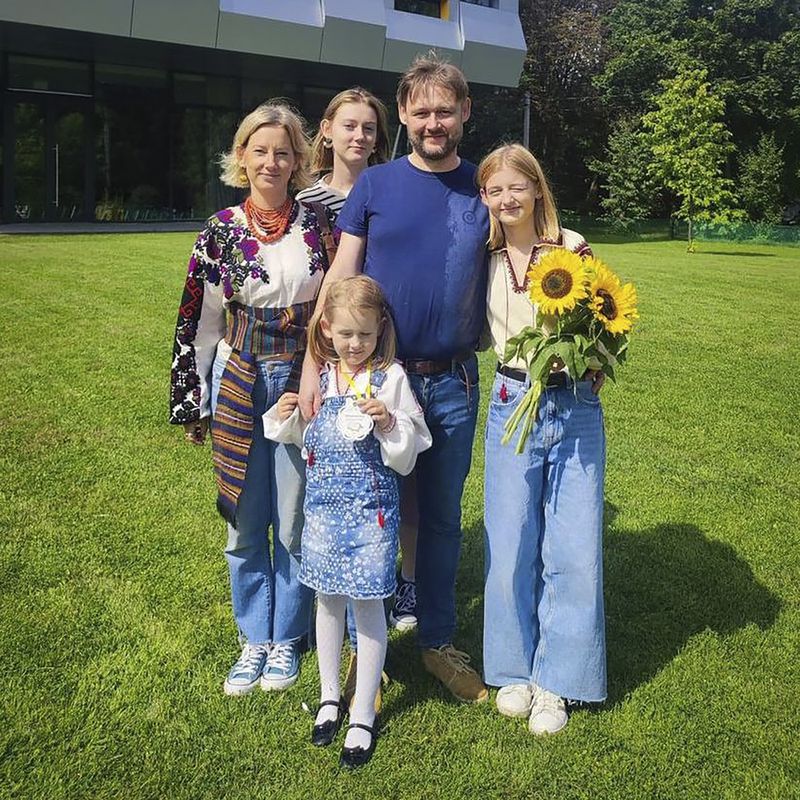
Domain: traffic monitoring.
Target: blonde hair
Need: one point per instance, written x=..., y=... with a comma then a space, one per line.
x=274, y=114
x=357, y=294
x=322, y=157
x=431, y=70
x=545, y=215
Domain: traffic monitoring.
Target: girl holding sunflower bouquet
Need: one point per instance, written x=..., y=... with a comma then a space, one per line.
x=544, y=626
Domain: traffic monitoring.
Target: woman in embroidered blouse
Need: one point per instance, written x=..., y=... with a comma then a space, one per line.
x=544, y=630
x=253, y=278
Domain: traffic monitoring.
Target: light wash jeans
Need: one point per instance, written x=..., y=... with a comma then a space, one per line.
x=450, y=403
x=543, y=606
x=269, y=602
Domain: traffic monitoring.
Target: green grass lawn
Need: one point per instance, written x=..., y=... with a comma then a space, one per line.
x=115, y=625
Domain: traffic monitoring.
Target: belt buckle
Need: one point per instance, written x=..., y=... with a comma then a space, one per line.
x=556, y=380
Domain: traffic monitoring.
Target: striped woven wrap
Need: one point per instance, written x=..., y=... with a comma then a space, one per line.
x=252, y=332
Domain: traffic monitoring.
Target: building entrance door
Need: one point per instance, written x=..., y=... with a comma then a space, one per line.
x=49, y=173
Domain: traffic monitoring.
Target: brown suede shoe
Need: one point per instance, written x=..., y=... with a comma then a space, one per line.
x=349, y=691
x=452, y=668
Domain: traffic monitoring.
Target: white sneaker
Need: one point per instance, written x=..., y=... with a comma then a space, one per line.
x=515, y=700
x=549, y=712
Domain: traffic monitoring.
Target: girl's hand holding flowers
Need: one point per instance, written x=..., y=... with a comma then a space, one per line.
x=593, y=313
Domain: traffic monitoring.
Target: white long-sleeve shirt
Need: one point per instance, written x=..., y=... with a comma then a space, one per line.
x=400, y=446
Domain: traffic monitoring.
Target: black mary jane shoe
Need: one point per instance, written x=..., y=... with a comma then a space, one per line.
x=354, y=757
x=322, y=735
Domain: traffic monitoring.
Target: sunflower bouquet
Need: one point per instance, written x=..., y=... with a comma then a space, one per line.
x=584, y=317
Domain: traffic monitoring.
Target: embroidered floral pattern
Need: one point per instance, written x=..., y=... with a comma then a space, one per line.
x=317, y=257
x=185, y=383
x=224, y=254
x=225, y=251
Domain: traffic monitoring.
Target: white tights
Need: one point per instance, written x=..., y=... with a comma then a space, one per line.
x=371, y=629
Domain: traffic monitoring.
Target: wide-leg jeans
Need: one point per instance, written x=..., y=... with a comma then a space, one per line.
x=543, y=606
x=270, y=605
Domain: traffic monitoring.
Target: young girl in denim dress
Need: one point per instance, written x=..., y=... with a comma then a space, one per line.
x=544, y=627
x=368, y=431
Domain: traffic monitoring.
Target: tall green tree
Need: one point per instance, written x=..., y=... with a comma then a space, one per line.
x=749, y=48
x=566, y=51
x=760, y=181
x=690, y=145
x=631, y=190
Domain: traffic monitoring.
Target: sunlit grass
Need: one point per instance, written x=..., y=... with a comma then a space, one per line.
x=115, y=625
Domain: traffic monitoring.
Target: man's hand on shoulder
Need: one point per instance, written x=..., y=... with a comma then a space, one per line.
x=309, y=398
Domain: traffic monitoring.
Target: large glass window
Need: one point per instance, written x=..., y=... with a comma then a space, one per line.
x=69, y=168
x=205, y=90
x=255, y=92
x=428, y=8
x=30, y=182
x=48, y=75
x=200, y=135
x=487, y=3
x=132, y=144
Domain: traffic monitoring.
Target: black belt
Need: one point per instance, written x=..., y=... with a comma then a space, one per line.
x=556, y=380
x=421, y=366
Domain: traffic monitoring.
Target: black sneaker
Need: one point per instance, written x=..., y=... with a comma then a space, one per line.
x=403, y=615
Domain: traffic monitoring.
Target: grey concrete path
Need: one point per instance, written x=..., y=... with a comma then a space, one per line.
x=101, y=227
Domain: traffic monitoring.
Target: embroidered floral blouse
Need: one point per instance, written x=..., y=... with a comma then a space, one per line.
x=228, y=264
x=508, y=306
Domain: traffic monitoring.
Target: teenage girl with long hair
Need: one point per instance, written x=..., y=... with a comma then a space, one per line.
x=544, y=629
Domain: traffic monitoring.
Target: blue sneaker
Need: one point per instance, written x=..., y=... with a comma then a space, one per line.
x=403, y=615
x=282, y=668
x=246, y=672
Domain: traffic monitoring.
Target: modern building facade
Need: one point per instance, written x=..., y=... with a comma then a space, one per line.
x=117, y=109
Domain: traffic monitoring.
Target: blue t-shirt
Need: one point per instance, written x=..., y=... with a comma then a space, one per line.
x=426, y=246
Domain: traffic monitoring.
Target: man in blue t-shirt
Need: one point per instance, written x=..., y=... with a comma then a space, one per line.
x=418, y=227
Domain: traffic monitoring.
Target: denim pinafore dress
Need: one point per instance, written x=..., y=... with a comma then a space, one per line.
x=352, y=503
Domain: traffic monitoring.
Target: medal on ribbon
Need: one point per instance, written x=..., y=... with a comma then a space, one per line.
x=351, y=421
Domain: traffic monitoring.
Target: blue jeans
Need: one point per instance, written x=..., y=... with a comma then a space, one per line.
x=450, y=403
x=269, y=602
x=543, y=510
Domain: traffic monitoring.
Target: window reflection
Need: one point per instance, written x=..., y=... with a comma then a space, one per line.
x=29, y=165
x=132, y=155
x=144, y=145
x=427, y=8
x=200, y=135
x=69, y=166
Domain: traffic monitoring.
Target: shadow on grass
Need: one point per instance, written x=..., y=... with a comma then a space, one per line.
x=403, y=663
x=662, y=586
x=598, y=236
x=746, y=253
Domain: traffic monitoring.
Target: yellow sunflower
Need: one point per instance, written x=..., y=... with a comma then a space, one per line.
x=611, y=302
x=558, y=281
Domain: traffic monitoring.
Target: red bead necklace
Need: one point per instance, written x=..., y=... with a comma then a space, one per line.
x=267, y=224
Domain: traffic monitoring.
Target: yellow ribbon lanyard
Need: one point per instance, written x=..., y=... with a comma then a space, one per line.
x=352, y=384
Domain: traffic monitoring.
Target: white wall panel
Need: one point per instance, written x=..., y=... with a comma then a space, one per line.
x=110, y=16
x=191, y=22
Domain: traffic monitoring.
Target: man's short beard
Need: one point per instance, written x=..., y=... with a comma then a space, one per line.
x=418, y=146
